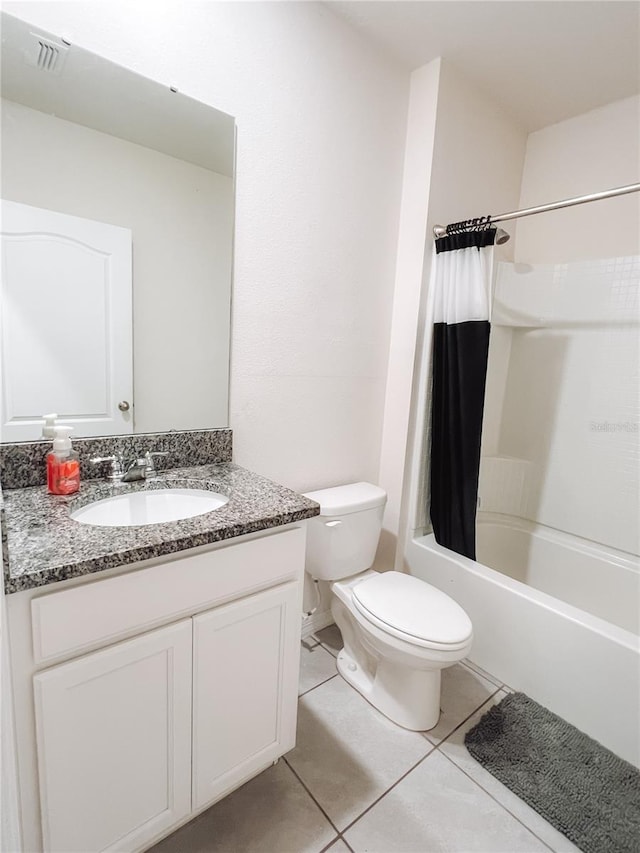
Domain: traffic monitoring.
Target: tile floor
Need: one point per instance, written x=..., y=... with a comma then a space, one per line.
x=357, y=782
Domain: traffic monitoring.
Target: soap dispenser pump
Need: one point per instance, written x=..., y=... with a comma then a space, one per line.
x=63, y=464
x=49, y=426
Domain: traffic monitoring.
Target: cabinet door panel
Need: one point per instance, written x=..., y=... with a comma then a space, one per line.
x=113, y=736
x=246, y=658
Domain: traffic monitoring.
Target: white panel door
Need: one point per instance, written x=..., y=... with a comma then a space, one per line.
x=114, y=743
x=66, y=323
x=245, y=688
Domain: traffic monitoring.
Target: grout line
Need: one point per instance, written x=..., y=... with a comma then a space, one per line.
x=284, y=758
x=482, y=673
x=391, y=787
x=434, y=748
x=330, y=844
x=346, y=843
x=502, y=806
x=468, y=717
x=328, y=649
x=320, y=683
x=333, y=841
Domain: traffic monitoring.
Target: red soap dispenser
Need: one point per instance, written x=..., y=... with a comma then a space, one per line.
x=63, y=464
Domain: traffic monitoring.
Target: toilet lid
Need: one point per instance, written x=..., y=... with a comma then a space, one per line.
x=409, y=606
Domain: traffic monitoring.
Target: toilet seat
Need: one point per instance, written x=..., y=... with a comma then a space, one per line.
x=412, y=610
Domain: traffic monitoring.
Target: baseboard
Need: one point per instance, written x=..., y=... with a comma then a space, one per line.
x=315, y=622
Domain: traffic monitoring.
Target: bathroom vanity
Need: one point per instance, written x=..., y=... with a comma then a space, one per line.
x=154, y=669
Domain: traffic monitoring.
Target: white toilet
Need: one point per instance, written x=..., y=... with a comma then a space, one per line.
x=398, y=631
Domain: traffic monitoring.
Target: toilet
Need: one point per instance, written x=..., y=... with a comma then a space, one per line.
x=399, y=632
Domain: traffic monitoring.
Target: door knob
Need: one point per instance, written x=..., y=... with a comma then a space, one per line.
x=123, y=405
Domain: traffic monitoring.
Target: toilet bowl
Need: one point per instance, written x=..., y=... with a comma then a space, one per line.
x=399, y=632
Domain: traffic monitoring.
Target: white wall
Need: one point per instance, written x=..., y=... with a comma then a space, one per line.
x=569, y=419
x=476, y=153
x=589, y=153
x=321, y=121
x=407, y=324
x=181, y=217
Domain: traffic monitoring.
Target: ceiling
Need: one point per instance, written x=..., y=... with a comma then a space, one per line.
x=84, y=88
x=543, y=61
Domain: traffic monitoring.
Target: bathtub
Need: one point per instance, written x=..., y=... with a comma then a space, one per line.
x=556, y=617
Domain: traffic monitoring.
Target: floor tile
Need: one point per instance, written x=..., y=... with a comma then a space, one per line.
x=463, y=691
x=486, y=675
x=272, y=812
x=455, y=749
x=437, y=808
x=338, y=847
x=331, y=639
x=316, y=665
x=348, y=753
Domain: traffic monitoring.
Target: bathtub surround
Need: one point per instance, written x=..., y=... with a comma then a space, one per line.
x=565, y=425
x=453, y=126
x=530, y=637
x=570, y=660
x=565, y=328
x=22, y=464
x=459, y=308
x=579, y=572
x=581, y=788
x=589, y=152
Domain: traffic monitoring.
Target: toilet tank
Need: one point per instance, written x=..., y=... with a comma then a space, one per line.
x=343, y=539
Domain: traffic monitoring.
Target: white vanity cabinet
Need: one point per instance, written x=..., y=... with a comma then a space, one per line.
x=114, y=743
x=244, y=665
x=150, y=694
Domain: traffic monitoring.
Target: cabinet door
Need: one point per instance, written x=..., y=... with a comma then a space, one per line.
x=245, y=680
x=114, y=743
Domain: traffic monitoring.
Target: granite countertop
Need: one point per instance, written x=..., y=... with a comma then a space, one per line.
x=42, y=544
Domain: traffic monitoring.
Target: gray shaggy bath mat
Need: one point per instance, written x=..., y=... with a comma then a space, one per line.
x=579, y=786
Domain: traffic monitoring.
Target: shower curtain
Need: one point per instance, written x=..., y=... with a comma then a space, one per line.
x=460, y=300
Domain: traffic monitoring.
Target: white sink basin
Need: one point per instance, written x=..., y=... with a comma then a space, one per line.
x=149, y=507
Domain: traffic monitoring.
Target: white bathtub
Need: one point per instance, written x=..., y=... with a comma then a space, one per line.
x=579, y=659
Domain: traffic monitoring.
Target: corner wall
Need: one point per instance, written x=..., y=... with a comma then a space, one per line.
x=589, y=153
x=321, y=122
x=476, y=156
x=565, y=430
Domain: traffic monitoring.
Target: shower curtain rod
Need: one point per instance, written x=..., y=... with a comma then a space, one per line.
x=483, y=221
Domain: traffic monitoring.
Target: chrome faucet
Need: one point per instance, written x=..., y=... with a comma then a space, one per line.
x=136, y=470
x=121, y=471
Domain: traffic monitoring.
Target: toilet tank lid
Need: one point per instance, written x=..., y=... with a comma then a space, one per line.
x=354, y=497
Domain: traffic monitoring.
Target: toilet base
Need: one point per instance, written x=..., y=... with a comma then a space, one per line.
x=408, y=697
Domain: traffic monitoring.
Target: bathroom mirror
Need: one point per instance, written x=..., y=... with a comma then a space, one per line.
x=117, y=231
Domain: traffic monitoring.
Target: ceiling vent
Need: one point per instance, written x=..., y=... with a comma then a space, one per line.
x=46, y=55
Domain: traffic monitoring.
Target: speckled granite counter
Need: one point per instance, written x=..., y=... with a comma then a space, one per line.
x=42, y=544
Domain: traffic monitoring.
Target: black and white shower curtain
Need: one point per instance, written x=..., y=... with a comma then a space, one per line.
x=460, y=301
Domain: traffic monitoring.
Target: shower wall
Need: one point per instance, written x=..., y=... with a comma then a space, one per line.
x=594, y=151
x=561, y=443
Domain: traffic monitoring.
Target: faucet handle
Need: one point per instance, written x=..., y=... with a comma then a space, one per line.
x=150, y=470
x=115, y=470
